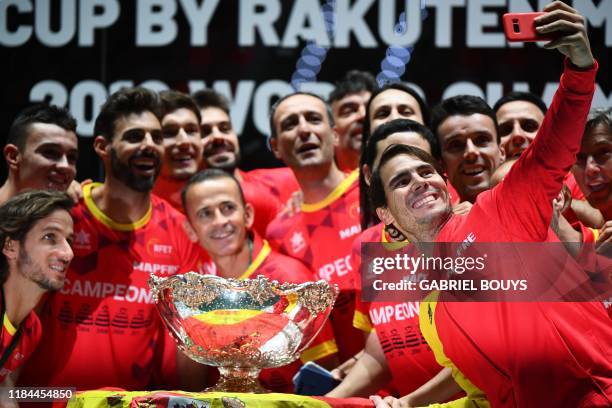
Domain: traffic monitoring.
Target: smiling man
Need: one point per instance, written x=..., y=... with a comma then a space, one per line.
x=41, y=150
x=102, y=329
x=182, y=145
x=35, y=235
x=466, y=128
x=267, y=190
x=593, y=167
x=499, y=350
x=221, y=221
x=348, y=101
x=321, y=234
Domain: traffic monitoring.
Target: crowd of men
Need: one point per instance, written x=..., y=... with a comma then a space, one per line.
x=368, y=165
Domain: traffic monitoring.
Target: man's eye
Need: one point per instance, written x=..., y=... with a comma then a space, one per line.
x=381, y=113
x=505, y=129
x=289, y=124
x=455, y=146
x=72, y=158
x=427, y=173
x=204, y=214
x=405, y=111
x=192, y=130
x=134, y=135
x=602, y=157
x=169, y=132
x=482, y=140
x=52, y=154
x=157, y=136
x=228, y=209
x=206, y=130
x=348, y=110
x=314, y=118
x=530, y=125
x=49, y=237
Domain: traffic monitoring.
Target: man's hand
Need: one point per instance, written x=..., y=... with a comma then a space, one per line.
x=75, y=189
x=388, y=402
x=340, y=372
x=294, y=204
x=462, y=208
x=573, y=41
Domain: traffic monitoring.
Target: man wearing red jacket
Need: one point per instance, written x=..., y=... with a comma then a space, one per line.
x=502, y=350
x=321, y=234
x=35, y=236
x=102, y=328
x=221, y=221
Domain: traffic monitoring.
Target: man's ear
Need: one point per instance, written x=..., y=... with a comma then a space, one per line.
x=10, y=249
x=367, y=174
x=274, y=146
x=502, y=154
x=191, y=234
x=385, y=215
x=249, y=215
x=336, y=136
x=12, y=156
x=100, y=146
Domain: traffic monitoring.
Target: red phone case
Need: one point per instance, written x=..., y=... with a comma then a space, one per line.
x=521, y=27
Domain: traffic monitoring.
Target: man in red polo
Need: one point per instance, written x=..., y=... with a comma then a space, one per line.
x=221, y=221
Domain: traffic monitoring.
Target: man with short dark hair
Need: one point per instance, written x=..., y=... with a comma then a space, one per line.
x=180, y=124
x=519, y=116
x=221, y=221
x=41, y=150
x=348, y=101
x=266, y=189
x=493, y=347
x=303, y=138
x=102, y=329
x=466, y=128
x=35, y=236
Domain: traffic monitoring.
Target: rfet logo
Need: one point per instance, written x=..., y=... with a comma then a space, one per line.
x=155, y=248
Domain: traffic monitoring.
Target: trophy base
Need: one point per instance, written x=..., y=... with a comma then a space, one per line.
x=234, y=379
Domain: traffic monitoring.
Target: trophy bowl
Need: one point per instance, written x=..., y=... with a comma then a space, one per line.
x=241, y=326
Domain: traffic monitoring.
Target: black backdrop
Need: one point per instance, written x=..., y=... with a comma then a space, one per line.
x=79, y=74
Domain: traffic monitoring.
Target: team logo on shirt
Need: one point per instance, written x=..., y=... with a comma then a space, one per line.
x=154, y=247
x=350, y=231
x=297, y=242
x=467, y=242
x=82, y=240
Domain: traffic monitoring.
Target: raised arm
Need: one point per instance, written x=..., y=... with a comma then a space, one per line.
x=536, y=179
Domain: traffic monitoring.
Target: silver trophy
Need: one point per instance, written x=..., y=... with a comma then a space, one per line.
x=241, y=326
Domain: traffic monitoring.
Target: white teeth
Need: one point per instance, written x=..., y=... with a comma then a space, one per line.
x=423, y=201
x=144, y=162
x=57, y=268
x=222, y=235
x=597, y=187
x=474, y=171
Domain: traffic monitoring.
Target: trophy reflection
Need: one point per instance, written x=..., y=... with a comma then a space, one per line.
x=241, y=326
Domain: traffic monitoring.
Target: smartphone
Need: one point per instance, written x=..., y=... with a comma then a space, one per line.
x=312, y=379
x=521, y=27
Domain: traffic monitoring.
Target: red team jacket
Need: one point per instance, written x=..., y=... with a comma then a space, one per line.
x=321, y=236
x=409, y=357
x=102, y=329
x=17, y=343
x=528, y=354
